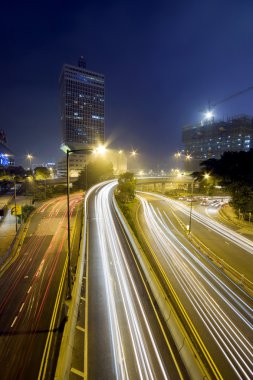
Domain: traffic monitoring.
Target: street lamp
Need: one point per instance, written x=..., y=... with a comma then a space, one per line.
x=101, y=150
x=205, y=176
x=190, y=216
x=15, y=202
x=30, y=157
x=209, y=115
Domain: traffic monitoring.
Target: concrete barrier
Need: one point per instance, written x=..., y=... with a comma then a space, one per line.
x=191, y=360
x=65, y=355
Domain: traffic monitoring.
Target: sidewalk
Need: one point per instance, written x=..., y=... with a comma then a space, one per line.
x=8, y=225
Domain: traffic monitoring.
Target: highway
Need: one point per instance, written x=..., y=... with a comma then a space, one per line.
x=126, y=337
x=33, y=289
x=218, y=313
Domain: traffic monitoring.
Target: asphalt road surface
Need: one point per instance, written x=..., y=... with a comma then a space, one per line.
x=126, y=337
x=219, y=312
x=33, y=287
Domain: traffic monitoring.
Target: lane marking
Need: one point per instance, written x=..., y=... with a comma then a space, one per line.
x=23, y=304
x=28, y=291
x=13, y=323
x=80, y=328
x=149, y=293
x=77, y=372
x=188, y=320
x=87, y=231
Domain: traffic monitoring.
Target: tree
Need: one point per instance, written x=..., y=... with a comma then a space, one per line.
x=96, y=171
x=126, y=187
x=12, y=171
x=42, y=173
x=234, y=172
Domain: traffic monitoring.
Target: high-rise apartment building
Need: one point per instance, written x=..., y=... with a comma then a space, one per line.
x=82, y=96
x=211, y=139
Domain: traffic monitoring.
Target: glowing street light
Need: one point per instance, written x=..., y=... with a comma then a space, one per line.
x=209, y=115
x=206, y=175
x=30, y=157
x=101, y=149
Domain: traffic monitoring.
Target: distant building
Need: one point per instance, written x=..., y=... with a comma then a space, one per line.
x=77, y=163
x=6, y=155
x=82, y=99
x=212, y=139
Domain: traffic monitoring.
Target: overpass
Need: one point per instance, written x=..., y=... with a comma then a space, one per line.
x=163, y=184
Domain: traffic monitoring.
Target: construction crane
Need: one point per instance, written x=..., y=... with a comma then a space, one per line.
x=209, y=113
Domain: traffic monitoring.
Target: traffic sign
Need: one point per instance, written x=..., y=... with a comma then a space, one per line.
x=16, y=210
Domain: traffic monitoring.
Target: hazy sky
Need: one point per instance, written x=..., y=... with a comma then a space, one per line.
x=163, y=62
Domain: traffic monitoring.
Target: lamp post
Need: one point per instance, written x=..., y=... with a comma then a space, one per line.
x=119, y=156
x=190, y=216
x=101, y=150
x=15, y=202
x=206, y=176
x=30, y=157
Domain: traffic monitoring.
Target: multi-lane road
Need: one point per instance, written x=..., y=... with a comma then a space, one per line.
x=32, y=294
x=219, y=313
x=125, y=335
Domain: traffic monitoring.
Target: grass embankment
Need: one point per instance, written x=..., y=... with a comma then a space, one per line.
x=129, y=210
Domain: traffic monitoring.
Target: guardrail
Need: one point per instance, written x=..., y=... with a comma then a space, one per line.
x=239, y=278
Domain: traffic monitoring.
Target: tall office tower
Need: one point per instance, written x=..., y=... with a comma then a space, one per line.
x=82, y=106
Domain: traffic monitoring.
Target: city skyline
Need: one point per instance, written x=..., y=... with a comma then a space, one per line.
x=162, y=67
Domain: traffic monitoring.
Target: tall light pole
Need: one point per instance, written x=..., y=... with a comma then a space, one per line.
x=30, y=157
x=15, y=202
x=206, y=176
x=101, y=150
x=190, y=216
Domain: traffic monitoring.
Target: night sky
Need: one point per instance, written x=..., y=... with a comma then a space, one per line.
x=163, y=62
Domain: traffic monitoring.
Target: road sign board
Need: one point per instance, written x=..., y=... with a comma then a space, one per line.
x=16, y=210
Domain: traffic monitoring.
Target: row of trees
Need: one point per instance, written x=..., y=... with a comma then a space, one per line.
x=234, y=171
x=95, y=171
x=19, y=173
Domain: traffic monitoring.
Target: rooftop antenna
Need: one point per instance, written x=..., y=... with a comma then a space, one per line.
x=82, y=62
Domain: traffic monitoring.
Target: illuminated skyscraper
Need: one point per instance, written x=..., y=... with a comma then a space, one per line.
x=82, y=106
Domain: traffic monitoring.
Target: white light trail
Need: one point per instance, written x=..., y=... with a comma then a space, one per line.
x=121, y=291
x=205, y=291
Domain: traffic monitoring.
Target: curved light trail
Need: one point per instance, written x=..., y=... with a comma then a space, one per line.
x=218, y=227
x=226, y=318
x=134, y=343
x=32, y=287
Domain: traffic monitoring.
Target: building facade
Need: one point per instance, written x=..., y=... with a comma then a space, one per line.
x=82, y=99
x=6, y=155
x=212, y=139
